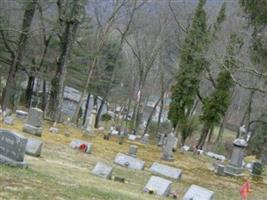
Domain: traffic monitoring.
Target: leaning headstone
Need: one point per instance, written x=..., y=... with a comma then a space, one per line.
x=129, y=162
x=9, y=120
x=34, y=122
x=145, y=139
x=12, y=148
x=166, y=170
x=133, y=150
x=102, y=170
x=20, y=114
x=81, y=145
x=234, y=168
x=34, y=147
x=158, y=186
x=168, y=147
x=198, y=193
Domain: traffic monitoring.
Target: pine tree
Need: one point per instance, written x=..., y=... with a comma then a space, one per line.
x=192, y=63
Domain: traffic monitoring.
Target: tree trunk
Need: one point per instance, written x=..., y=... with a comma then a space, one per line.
x=219, y=138
x=98, y=115
x=86, y=109
x=210, y=134
x=18, y=55
x=29, y=91
x=203, y=136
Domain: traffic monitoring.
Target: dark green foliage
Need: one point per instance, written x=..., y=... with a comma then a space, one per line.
x=192, y=63
x=106, y=117
x=164, y=127
x=257, y=11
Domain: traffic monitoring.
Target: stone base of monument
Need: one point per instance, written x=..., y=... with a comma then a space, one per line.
x=33, y=130
x=167, y=158
x=7, y=161
x=231, y=170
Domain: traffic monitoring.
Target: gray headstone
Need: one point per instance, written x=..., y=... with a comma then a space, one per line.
x=35, y=117
x=34, y=147
x=168, y=147
x=220, y=170
x=235, y=166
x=33, y=130
x=76, y=144
x=166, y=170
x=145, y=139
x=129, y=162
x=9, y=120
x=102, y=170
x=158, y=185
x=12, y=148
x=198, y=193
x=133, y=150
x=161, y=139
x=21, y=114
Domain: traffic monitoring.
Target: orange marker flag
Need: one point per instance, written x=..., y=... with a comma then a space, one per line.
x=244, y=190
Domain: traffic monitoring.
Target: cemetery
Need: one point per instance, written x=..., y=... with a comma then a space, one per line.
x=133, y=99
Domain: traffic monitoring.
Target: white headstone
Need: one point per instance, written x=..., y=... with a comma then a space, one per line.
x=102, y=170
x=166, y=170
x=132, y=137
x=34, y=147
x=129, y=162
x=198, y=193
x=159, y=186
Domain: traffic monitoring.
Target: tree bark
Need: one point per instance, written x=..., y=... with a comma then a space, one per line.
x=86, y=108
x=98, y=115
x=203, y=136
x=29, y=91
x=210, y=134
x=18, y=55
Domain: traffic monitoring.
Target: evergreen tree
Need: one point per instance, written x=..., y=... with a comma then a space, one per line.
x=192, y=63
x=215, y=105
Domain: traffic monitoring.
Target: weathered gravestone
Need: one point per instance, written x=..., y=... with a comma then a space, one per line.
x=91, y=121
x=132, y=137
x=9, y=120
x=12, y=148
x=102, y=170
x=20, y=114
x=166, y=170
x=133, y=150
x=257, y=169
x=216, y=156
x=34, y=147
x=145, y=139
x=161, y=139
x=235, y=166
x=168, y=147
x=129, y=162
x=219, y=170
x=34, y=122
x=159, y=186
x=198, y=193
x=82, y=146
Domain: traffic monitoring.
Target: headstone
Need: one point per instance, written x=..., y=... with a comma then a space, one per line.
x=129, y=162
x=257, y=169
x=166, y=170
x=175, y=143
x=119, y=179
x=220, y=170
x=185, y=148
x=158, y=185
x=145, y=139
x=133, y=150
x=102, y=170
x=53, y=130
x=168, y=147
x=21, y=114
x=34, y=147
x=9, y=120
x=161, y=138
x=12, y=148
x=216, y=156
x=132, y=137
x=234, y=168
x=34, y=122
x=81, y=145
x=198, y=193
x=91, y=122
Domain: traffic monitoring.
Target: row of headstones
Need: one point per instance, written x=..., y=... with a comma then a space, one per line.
x=156, y=185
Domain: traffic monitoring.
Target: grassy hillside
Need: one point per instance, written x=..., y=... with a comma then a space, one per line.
x=63, y=173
